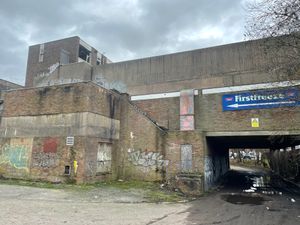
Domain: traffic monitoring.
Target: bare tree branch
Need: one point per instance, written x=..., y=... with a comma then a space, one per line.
x=279, y=22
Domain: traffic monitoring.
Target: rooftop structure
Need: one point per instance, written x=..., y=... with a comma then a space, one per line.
x=45, y=58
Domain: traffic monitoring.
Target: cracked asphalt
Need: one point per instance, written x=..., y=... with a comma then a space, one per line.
x=228, y=206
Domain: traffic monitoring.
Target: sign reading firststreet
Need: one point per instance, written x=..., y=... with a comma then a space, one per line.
x=261, y=100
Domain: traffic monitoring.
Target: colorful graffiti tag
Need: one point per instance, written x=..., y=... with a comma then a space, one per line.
x=15, y=155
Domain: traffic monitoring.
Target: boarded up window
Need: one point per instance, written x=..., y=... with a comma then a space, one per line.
x=104, y=158
x=186, y=158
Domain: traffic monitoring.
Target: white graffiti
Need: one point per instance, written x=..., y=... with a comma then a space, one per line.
x=57, y=82
x=117, y=85
x=45, y=160
x=147, y=159
x=208, y=172
x=103, y=158
x=50, y=70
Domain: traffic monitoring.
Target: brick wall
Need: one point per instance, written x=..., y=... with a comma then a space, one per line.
x=83, y=110
x=141, y=146
x=212, y=118
x=164, y=111
x=69, y=98
x=42, y=158
x=174, y=140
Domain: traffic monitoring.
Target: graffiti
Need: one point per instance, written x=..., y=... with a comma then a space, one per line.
x=208, y=172
x=50, y=70
x=91, y=168
x=117, y=85
x=15, y=155
x=147, y=159
x=44, y=160
x=57, y=82
x=103, y=158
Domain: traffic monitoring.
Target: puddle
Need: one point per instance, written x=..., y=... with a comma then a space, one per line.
x=243, y=199
x=261, y=184
x=255, y=187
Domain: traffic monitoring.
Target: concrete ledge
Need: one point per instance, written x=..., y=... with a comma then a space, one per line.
x=252, y=133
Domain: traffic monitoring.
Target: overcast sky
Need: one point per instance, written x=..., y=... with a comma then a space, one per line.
x=122, y=29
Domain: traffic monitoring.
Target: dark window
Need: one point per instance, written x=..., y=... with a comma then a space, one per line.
x=84, y=54
x=67, y=170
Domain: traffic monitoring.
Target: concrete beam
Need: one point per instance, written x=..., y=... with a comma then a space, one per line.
x=252, y=133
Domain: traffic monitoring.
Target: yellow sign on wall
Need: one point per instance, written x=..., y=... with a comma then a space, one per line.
x=254, y=122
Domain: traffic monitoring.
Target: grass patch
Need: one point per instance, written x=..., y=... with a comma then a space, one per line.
x=163, y=196
x=44, y=184
x=153, y=192
x=125, y=185
x=150, y=190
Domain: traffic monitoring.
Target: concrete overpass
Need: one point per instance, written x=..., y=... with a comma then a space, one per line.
x=185, y=111
x=235, y=100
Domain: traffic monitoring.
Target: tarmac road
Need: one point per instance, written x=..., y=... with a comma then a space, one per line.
x=233, y=204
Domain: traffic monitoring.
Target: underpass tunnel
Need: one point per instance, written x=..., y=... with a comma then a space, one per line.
x=217, y=161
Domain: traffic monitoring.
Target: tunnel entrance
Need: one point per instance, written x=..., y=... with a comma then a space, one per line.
x=217, y=161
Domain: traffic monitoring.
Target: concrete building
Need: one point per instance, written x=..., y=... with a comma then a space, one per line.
x=45, y=59
x=71, y=132
x=180, y=116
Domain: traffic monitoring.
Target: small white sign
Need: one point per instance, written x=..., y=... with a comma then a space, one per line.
x=70, y=141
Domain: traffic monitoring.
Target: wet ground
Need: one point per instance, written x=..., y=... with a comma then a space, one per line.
x=256, y=184
x=245, y=197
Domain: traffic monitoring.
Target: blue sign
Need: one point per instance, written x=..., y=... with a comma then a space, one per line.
x=261, y=100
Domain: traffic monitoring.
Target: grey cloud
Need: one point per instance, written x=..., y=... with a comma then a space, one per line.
x=122, y=29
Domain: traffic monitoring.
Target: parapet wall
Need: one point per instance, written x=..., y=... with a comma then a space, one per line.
x=234, y=64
